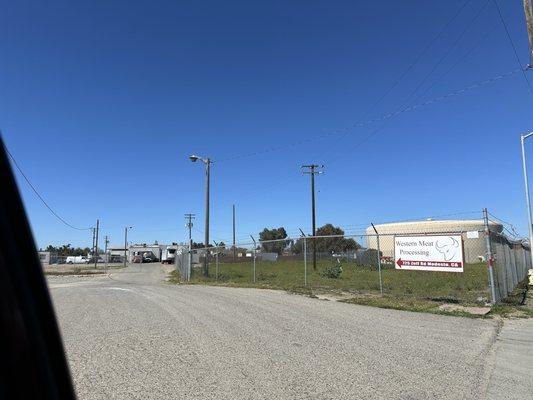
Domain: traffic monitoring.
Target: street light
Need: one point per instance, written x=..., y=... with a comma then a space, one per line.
x=207, y=163
x=528, y=200
x=126, y=243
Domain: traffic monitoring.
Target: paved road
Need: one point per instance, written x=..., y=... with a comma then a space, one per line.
x=130, y=336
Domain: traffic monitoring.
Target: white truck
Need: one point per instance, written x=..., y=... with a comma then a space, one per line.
x=77, y=260
x=168, y=255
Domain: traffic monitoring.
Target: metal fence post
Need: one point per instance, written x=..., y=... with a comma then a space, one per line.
x=216, y=274
x=379, y=260
x=189, y=263
x=305, y=261
x=523, y=273
x=216, y=261
x=489, y=256
x=254, y=254
x=305, y=256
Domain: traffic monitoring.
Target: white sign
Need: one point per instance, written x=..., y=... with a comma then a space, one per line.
x=429, y=253
x=472, y=235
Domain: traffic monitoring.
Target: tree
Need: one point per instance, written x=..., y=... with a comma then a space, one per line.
x=273, y=234
x=67, y=250
x=334, y=244
x=199, y=245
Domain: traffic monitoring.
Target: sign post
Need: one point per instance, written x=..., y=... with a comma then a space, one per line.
x=442, y=253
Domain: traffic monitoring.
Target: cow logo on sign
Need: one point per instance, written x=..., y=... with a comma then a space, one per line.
x=448, y=247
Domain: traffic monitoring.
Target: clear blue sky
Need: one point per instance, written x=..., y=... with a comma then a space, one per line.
x=102, y=102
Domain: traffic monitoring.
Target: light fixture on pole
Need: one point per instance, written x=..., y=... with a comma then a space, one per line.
x=528, y=199
x=207, y=163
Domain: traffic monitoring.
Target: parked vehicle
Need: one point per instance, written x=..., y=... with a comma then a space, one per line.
x=169, y=255
x=77, y=260
x=148, y=258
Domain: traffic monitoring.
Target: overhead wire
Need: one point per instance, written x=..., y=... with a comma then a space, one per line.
x=446, y=53
x=54, y=213
x=345, y=131
x=428, y=102
x=513, y=46
x=421, y=83
x=458, y=61
x=393, y=113
x=402, y=109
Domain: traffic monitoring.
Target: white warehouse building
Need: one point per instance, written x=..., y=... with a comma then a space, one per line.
x=472, y=232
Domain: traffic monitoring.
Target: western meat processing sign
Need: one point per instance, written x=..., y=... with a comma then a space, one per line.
x=429, y=253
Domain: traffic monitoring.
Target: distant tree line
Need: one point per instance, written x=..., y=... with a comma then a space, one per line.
x=67, y=250
x=323, y=245
x=200, y=245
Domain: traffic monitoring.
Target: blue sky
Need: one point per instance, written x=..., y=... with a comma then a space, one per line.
x=102, y=102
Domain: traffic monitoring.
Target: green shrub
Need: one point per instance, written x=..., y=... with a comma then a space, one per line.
x=333, y=272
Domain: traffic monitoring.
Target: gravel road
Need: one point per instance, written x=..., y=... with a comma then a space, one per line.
x=130, y=336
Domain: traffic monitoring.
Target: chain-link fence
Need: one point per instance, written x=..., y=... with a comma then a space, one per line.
x=511, y=261
x=374, y=262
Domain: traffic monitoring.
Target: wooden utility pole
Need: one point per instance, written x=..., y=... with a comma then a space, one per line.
x=312, y=170
x=528, y=10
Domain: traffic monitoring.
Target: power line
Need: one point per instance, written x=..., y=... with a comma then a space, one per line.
x=426, y=103
x=41, y=197
x=447, y=52
x=410, y=67
x=383, y=96
x=418, y=57
x=384, y=117
x=377, y=119
x=513, y=46
x=461, y=59
x=421, y=83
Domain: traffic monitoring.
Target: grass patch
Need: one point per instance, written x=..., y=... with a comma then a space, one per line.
x=469, y=287
x=174, y=277
x=519, y=304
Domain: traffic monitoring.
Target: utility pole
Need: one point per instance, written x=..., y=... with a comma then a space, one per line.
x=189, y=218
x=106, y=242
x=207, y=179
x=95, y=254
x=126, y=244
x=528, y=10
x=234, y=248
x=528, y=198
x=313, y=170
x=207, y=162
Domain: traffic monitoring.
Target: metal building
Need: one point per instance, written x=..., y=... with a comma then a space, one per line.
x=472, y=232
